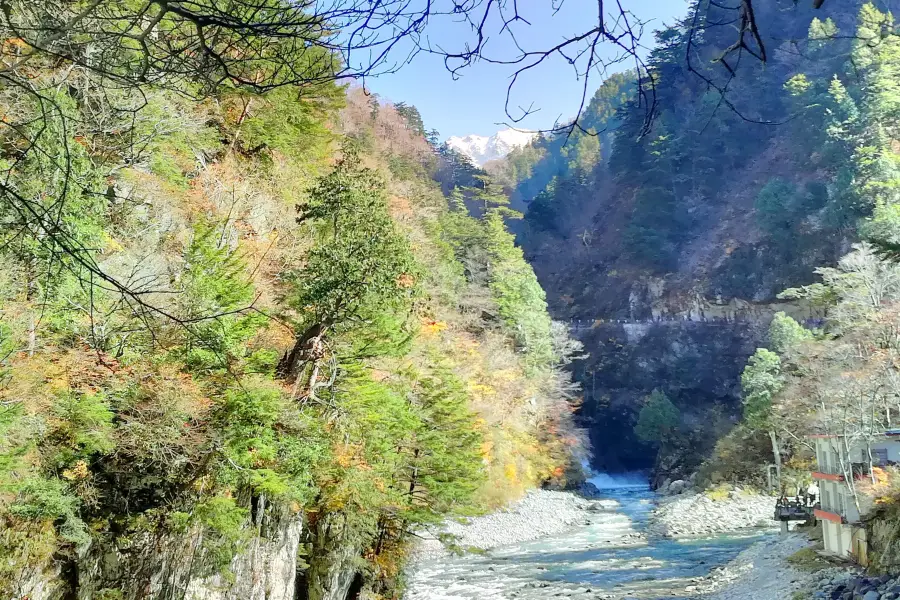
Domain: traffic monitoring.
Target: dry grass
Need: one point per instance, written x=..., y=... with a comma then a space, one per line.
x=808, y=560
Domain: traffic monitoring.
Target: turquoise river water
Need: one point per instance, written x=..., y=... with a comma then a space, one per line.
x=594, y=561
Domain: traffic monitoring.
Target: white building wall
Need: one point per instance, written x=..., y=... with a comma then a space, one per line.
x=837, y=538
x=831, y=537
x=846, y=535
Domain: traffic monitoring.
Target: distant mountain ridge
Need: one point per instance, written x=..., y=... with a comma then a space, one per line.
x=482, y=149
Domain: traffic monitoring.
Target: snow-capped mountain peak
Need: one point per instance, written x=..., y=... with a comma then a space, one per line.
x=481, y=148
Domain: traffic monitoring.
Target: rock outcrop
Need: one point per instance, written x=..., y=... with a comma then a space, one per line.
x=145, y=566
x=696, y=364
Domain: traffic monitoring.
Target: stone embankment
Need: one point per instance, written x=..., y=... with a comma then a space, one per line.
x=538, y=514
x=843, y=585
x=692, y=514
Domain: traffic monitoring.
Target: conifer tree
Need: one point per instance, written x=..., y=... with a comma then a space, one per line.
x=360, y=268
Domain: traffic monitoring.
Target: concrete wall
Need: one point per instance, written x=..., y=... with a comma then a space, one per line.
x=831, y=537
x=860, y=547
x=837, y=538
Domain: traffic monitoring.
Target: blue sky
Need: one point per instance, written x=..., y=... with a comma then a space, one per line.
x=474, y=103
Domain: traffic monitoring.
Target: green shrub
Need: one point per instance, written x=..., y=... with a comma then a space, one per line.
x=224, y=531
x=719, y=493
x=658, y=418
x=51, y=501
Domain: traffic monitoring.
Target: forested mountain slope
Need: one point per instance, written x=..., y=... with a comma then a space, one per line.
x=702, y=220
x=247, y=345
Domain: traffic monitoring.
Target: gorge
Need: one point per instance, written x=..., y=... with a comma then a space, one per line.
x=262, y=332
x=700, y=223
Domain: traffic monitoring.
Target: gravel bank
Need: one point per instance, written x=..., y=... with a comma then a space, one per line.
x=539, y=513
x=696, y=514
x=761, y=572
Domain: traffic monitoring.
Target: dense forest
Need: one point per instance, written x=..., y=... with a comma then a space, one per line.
x=248, y=346
x=672, y=247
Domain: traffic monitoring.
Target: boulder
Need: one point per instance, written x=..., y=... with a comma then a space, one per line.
x=589, y=490
x=871, y=595
x=677, y=486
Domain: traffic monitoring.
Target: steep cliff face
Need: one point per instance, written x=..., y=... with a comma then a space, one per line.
x=334, y=561
x=172, y=566
x=697, y=364
x=706, y=217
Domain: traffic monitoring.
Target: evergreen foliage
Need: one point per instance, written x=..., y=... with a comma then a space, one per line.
x=785, y=332
x=658, y=419
x=491, y=257
x=200, y=238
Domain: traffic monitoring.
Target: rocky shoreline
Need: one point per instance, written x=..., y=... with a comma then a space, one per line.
x=850, y=584
x=698, y=515
x=761, y=572
x=538, y=514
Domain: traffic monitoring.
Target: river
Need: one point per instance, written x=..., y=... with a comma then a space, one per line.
x=590, y=562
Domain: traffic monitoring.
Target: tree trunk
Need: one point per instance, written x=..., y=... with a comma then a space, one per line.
x=290, y=362
x=245, y=110
x=776, y=453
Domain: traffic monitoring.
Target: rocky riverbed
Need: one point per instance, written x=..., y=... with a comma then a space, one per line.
x=632, y=545
x=761, y=572
x=698, y=515
x=848, y=585
x=599, y=550
x=540, y=513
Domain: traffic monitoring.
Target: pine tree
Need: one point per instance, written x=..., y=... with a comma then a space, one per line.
x=821, y=33
x=360, y=268
x=412, y=118
x=445, y=465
